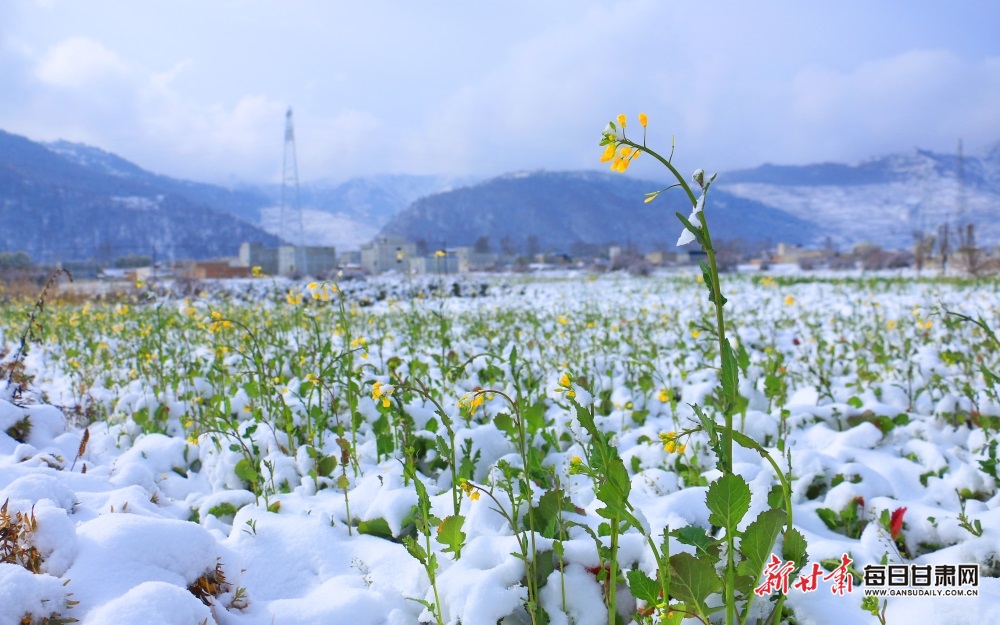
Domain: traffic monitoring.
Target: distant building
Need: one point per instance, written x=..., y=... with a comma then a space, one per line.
x=388, y=253
x=214, y=270
x=288, y=260
x=468, y=259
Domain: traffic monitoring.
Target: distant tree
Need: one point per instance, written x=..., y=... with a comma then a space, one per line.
x=482, y=245
x=923, y=248
x=507, y=246
x=581, y=249
x=943, y=246
x=14, y=260
x=967, y=249
x=132, y=261
x=533, y=246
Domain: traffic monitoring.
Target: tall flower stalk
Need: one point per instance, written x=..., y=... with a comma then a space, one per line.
x=728, y=498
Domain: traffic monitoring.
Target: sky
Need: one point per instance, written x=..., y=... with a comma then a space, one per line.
x=198, y=89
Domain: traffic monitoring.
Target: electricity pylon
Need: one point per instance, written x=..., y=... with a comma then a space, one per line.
x=290, y=180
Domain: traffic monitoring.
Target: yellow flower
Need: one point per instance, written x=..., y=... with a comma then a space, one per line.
x=695, y=334
x=440, y=254
x=564, y=381
x=621, y=120
x=789, y=300
x=643, y=119
x=670, y=447
x=609, y=153
x=891, y=324
x=257, y=271
x=469, y=489
x=562, y=320
x=663, y=395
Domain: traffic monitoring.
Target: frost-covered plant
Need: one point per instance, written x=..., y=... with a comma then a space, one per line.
x=694, y=577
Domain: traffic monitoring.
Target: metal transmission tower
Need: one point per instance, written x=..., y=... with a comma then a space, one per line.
x=290, y=180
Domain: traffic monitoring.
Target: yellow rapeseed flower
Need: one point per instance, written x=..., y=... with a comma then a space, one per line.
x=789, y=300
x=643, y=119
x=621, y=120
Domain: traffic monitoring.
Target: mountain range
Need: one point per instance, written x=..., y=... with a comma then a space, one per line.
x=58, y=209
x=562, y=210
x=67, y=201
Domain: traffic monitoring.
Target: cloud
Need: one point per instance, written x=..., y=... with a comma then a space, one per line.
x=79, y=62
x=928, y=98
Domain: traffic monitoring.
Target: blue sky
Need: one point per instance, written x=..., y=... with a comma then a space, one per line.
x=198, y=88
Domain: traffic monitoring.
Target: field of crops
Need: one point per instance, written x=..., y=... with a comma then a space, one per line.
x=503, y=449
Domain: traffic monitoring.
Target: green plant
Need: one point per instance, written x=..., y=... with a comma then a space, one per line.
x=870, y=604
x=693, y=576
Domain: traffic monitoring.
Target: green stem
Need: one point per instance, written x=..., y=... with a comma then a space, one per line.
x=613, y=570
x=666, y=162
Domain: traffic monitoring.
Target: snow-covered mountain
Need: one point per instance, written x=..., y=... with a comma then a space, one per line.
x=567, y=211
x=884, y=200
x=55, y=208
x=349, y=213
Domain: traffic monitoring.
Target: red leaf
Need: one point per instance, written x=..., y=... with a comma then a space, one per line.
x=896, y=522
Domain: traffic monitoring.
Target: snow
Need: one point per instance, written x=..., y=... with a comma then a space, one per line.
x=128, y=538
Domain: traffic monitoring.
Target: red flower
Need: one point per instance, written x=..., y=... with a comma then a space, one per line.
x=896, y=522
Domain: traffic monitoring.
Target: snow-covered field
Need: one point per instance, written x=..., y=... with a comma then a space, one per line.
x=264, y=452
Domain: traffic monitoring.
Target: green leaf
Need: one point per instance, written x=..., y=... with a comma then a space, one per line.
x=375, y=527
x=692, y=579
x=505, y=424
x=252, y=389
x=730, y=374
x=743, y=358
x=643, y=586
x=534, y=416
x=326, y=465
x=415, y=550
x=547, y=513
x=222, y=509
x=706, y=274
x=697, y=537
x=450, y=534
x=855, y=402
x=728, y=500
x=699, y=237
x=245, y=470
x=830, y=518
x=794, y=548
x=587, y=421
x=758, y=540
x=776, y=496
